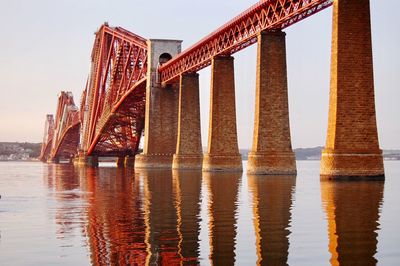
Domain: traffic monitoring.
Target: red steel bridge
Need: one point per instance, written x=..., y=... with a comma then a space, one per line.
x=118, y=105
x=110, y=119
x=61, y=136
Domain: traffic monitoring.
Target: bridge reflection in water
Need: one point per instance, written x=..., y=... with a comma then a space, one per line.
x=352, y=210
x=272, y=202
x=156, y=217
x=222, y=209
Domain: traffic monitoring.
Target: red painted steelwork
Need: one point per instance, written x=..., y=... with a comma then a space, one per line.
x=240, y=33
x=47, y=138
x=113, y=102
x=45, y=152
x=66, y=129
x=68, y=143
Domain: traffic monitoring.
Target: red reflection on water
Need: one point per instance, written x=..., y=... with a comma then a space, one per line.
x=272, y=202
x=116, y=224
x=222, y=208
x=352, y=210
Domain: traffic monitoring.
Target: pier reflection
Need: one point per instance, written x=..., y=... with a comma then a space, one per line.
x=172, y=209
x=68, y=209
x=272, y=201
x=152, y=217
x=187, y=186
x=116, y=224
x=352, y=210
x=60, y=177
x=66, y=178
x=58, y=213
x=222, y=208
x=162, y=237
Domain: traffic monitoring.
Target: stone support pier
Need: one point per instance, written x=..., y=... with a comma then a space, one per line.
x=120, y=161
x=54, y=160
x=161, y=120
x=352, y=148
x=91, y=161
x=189, y=153
x=272, y=149
x=129, y=161
x=223, y=152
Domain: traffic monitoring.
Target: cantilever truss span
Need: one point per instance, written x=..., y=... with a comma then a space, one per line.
x=62, y=133
x=114, y=99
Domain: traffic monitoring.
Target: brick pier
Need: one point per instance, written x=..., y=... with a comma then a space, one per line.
x=189, y=153
x=272, y=149
x=90, y=161
x=223, y=151
x=161, y=119
x=352, y=148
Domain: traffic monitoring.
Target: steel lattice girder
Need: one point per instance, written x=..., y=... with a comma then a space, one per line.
x=240, y=33
x=65, y=139
x=122, y=128
x=119, y=66
x=68, y=144
x=46, y=149
x=47, y=138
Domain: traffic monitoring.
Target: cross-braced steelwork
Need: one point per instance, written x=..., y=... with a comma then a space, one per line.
x=114, y=99
x=47, y=138
x=240, y=33
x=112, y=111
x=66, y=128
x=61, y=135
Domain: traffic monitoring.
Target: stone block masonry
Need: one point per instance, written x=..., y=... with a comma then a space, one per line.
x=161, y=119
x=352, y=148
x=189, y=154
x=272, y=149
x=90, y=161
x=222, y=152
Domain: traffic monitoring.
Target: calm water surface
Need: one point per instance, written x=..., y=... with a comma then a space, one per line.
x=64, y=215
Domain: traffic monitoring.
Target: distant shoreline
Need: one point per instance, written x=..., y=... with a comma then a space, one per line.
x=29, y=152
x=24, y=161
x=244, y=158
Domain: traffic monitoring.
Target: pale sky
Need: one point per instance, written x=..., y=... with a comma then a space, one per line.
x=45, y=47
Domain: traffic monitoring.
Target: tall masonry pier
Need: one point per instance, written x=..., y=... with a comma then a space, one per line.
x=161, y=118
x=352, y=148
x=223, y=150
x=189, y=153
x=272, y=149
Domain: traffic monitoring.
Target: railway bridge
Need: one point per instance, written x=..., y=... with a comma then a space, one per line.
x=149, y=88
